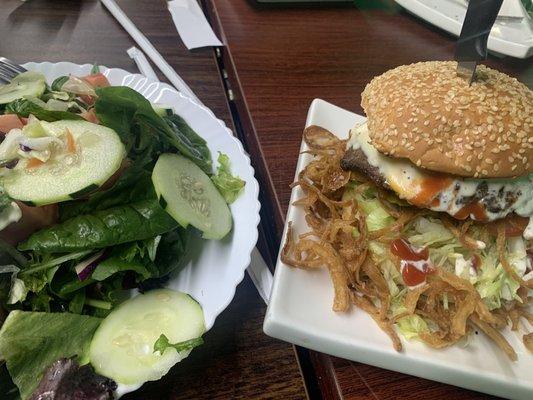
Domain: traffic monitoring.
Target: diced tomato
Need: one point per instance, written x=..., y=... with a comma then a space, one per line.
x=10, y=121
x=90, y=116
x=89, y=100
x=33, y=219
x=34, y=163
x=96, y=80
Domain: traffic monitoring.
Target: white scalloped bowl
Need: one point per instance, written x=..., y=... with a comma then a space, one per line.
x=215, y=268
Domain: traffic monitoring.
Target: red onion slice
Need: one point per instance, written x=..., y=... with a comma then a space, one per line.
x=85, y=268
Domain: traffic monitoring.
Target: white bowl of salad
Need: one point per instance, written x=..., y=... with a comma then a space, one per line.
x=128, y=213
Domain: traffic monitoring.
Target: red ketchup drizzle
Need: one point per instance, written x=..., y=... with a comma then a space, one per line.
x=475, y=210
x=415, y=264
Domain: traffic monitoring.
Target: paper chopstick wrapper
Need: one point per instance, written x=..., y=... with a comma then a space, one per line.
x=142, y=63
x=191, y=24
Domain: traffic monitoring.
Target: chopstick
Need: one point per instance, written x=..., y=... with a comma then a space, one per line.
x=149, y=49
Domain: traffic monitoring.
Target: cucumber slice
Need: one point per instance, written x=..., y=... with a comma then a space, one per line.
x=27, y=84
x=123, y=346
x=162, y=111
x=66, y=176
x=187, y=193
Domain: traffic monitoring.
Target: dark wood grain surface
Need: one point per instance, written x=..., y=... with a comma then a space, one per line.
x=237, y=361
x=278, y=60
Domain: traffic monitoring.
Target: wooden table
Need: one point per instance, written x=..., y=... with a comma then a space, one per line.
x=278, y=60
x=237, y=361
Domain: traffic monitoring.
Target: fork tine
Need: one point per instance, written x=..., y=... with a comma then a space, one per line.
x=6, y=73
x=11, y=65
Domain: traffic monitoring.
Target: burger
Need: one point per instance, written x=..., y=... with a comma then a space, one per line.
x=423, y=216
x=444, y=145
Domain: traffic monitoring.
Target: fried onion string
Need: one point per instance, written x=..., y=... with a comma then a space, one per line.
x=339, y=239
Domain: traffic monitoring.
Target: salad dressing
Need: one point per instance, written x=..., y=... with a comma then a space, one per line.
x=497, y=198
x=528, y=232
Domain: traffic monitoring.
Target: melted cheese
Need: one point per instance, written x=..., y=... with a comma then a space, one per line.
x=407, y=181
x=401, y=175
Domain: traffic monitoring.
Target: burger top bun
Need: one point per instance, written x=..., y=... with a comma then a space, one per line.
x=426, y=113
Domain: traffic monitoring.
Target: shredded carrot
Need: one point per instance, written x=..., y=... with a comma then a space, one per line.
x=34, y=163
x=71, y=144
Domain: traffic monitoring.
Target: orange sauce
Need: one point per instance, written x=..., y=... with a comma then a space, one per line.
x=414, y=261
x=430, y=188
x=475, y=208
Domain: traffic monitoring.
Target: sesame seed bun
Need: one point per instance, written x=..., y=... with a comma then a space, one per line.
x=426, y=113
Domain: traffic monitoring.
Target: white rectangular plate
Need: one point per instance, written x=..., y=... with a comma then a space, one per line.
x=300, y=312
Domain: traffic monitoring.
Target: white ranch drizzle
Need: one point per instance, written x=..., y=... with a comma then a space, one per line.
x=528, y=232
x=406, y=179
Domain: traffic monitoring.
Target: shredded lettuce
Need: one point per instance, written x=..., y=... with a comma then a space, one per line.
x=492, y=283
x=229, y=186
x=378, y=219
x=430, y=232
x=376, y=216
x=411, y=326
x=446, y=251
x=392, y=276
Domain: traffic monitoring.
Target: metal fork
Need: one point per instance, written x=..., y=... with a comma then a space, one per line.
x=8, y=70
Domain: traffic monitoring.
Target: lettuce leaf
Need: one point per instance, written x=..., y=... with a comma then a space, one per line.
x=31, y=341
x=152, y=258
x=146, y=134
x=135, y=184
x=228, y=185
x=25, y=107
x=104, y=228
x=163, y=343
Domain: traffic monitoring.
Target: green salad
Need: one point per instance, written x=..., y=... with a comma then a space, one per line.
x=100, y=192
